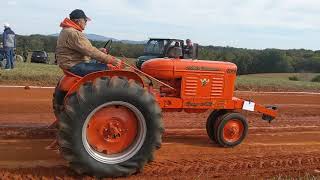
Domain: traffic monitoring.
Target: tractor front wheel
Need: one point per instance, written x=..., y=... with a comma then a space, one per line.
x=109, y=128
x=231, y=129
x=211, y=121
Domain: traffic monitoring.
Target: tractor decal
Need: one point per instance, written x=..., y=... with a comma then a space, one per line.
x=204, y=81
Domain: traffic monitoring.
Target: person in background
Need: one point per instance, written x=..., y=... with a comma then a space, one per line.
x=74, y=51
x=188, y=50
x=1, y=52
x=9, y=45
x=25, y=55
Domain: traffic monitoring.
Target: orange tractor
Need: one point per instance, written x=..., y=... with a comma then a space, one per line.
x=109, y=122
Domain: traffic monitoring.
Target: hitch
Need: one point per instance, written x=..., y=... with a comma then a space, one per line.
x=268, y=117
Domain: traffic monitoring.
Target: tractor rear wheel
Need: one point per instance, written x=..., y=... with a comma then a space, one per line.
x=57, y=101
x=231, y=129
x=109, y=128
x=211, y=122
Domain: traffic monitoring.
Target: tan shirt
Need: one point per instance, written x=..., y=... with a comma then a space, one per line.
x=73, y=47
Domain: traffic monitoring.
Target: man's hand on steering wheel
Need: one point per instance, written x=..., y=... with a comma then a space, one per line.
x=117, y=63
x=104, y=50
x=107, y=47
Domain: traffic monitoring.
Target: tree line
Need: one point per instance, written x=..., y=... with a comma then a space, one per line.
x=265, y=61
x=248, y=61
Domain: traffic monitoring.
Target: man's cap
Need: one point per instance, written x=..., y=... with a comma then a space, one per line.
x=6, y=25
x=188, y=40
x=78, y=14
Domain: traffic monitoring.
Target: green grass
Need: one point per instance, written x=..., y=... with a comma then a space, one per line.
x=49, y=74
x=31, y=74
x=278, y=82
x=316, y=79
x=293, y=78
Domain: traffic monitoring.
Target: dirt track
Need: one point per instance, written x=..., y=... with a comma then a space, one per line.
x=288, y=146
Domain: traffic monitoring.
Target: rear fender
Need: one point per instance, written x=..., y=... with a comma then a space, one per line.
x=66, y=82
x=95, y=75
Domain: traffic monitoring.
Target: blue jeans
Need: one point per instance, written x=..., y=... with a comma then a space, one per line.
x=9, y=53
x=84, y=68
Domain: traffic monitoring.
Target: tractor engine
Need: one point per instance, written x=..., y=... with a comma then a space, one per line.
x=193, y=78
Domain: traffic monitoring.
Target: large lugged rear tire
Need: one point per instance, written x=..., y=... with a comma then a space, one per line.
x=110, y=128
x=57, y=101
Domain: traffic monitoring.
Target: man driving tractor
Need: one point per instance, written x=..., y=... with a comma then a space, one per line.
x=74, y=51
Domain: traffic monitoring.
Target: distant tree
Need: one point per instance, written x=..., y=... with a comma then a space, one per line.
x=248, y=61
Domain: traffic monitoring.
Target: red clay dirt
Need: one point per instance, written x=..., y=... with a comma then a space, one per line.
x=289, y=146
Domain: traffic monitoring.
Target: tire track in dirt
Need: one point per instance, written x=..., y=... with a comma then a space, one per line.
x=259, y=166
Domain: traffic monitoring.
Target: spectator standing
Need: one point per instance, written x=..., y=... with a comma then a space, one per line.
x=9, y=44
x=1, y=53
x=25, y=55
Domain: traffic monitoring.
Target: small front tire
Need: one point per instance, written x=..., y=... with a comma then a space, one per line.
x=231, y=129
x=211, y=121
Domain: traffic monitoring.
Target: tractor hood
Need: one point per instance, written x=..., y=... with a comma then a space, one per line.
x=142, y=59
x=167, y=69
x=147, y=57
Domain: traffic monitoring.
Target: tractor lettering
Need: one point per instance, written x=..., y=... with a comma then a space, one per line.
x=231, y=71
x=202, y=68
x=210, y=69
x=199, y=104
x=192, y=68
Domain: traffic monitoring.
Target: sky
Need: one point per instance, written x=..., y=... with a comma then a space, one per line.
x=253, y=24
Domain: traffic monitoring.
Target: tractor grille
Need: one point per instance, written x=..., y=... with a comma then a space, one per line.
x=191, y=86
x=217, y=85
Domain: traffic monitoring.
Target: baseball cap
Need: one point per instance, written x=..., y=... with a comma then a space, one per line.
x=78, y=14
x=6, y=25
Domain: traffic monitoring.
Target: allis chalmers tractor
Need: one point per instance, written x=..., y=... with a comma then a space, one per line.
x=109, y=122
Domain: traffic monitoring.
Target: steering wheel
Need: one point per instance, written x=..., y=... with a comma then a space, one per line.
x=108, y=45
